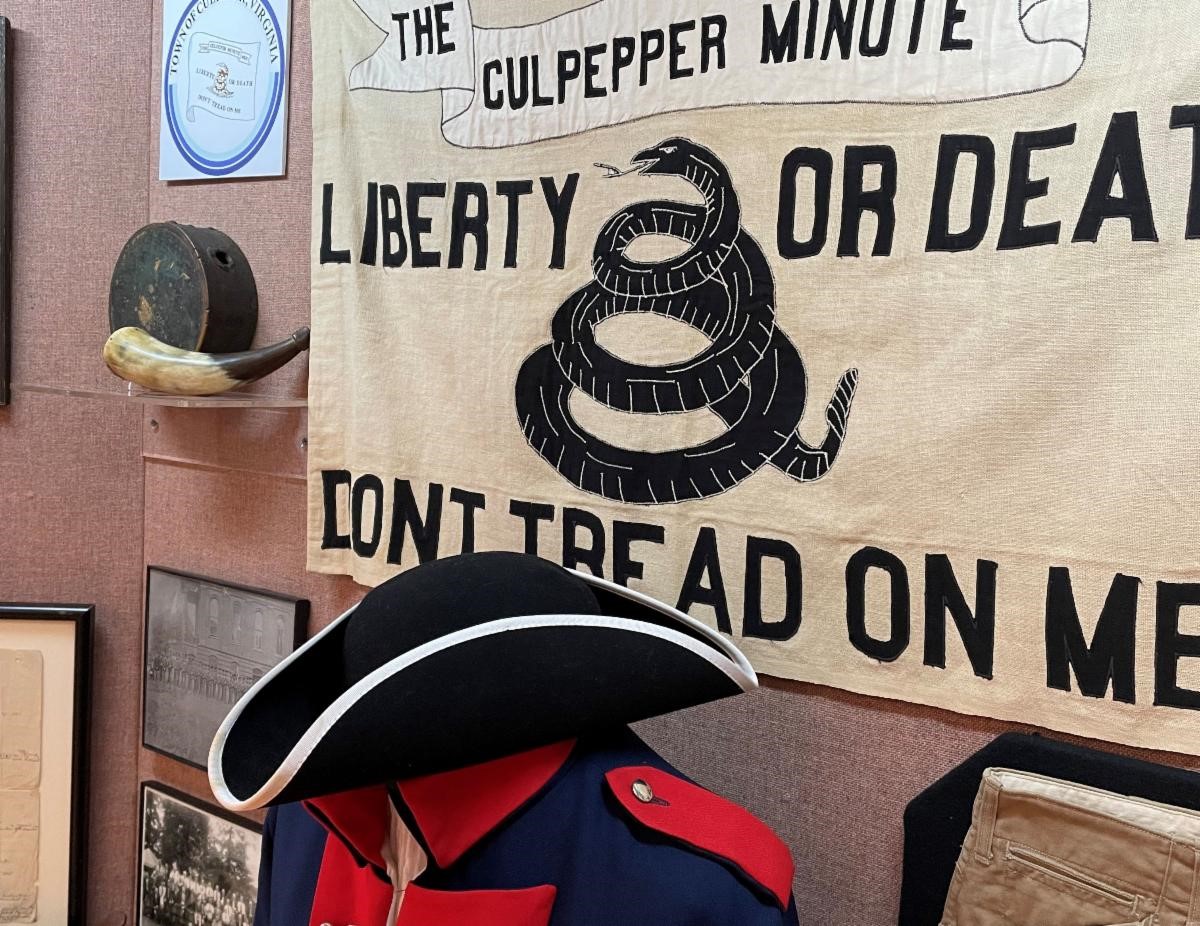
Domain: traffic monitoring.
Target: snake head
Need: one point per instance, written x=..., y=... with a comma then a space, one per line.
x=669, y=156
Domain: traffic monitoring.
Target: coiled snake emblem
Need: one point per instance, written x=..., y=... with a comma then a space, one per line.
x=751, y=374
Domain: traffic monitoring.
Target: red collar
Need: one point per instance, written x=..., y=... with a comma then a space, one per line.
x=452, y=810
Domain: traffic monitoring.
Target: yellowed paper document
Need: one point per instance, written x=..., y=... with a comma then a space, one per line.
x=19, y=835
x=20, y=720
x=20, y=781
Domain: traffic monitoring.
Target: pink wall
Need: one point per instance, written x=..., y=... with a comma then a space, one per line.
x=91, y=490
x=70, y=470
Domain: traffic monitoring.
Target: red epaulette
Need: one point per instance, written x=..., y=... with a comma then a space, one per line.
x=707, y=824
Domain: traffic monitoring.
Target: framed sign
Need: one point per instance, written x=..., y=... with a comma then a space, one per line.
x=44, y=682
x=206, y=643
x=198, y=864
x=224, y=89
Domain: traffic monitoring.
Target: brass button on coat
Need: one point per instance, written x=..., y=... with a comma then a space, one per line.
x=643, y=792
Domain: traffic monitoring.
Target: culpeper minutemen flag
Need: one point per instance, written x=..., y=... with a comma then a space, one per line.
x=863, y=330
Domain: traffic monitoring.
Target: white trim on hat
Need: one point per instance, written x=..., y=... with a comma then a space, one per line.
x=726, y=646
x=736, y=669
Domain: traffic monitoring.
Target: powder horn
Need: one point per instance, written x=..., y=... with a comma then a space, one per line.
x=139, y=357
x=183, y=306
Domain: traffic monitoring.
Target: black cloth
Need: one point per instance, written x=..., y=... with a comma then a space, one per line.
x=937, y=820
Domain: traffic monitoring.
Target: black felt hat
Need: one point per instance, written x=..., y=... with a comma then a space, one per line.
x=461, y=661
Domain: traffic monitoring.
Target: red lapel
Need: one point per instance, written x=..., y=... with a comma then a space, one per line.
x=347, y=894
x=359, y=819
x=454, y=810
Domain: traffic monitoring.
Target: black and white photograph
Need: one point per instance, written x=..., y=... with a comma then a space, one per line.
x=198, y=865
x=207, y=642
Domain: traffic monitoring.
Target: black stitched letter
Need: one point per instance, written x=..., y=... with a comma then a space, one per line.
x=624, y=535
x=1120, y=157
x=471, y=502
x=977, y=630
x=1170, y=645
x=330, y=480
x=860, y=563
x=1188, y=117
x=1109, y=657
x=426, y=532
x=940, y=238
x=328, y=254
x=753, y=622
x=473, y=222
x=368, y=482
x=531, y=513
x=1014, y=233
x=572, y=553
x=856, y=200
x=705, y=561
x=820, y=162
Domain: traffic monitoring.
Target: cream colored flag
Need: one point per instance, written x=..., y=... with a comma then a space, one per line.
x=865, y=331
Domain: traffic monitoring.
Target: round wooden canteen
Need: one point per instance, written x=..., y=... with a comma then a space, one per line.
x=189, y=287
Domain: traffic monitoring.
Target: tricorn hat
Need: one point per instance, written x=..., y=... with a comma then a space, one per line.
x=461, y=661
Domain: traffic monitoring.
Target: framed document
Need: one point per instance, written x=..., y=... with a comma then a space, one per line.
x=206, y=643
x=198, y=864
x=44, y=680
x=6, y=121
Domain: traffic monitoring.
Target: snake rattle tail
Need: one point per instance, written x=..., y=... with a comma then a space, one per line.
x=808, y=464
x=838, y=412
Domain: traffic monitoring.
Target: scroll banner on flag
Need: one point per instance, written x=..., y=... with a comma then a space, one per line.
x=603, y=64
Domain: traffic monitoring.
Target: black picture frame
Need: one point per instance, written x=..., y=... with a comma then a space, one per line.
x=81, y=618
x=6, y=172
x=188, y=685
x=209, y=812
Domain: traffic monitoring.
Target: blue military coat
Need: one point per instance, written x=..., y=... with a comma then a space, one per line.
x=595, y=832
